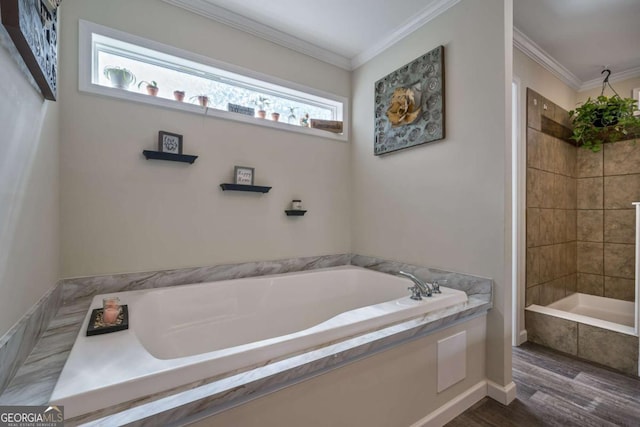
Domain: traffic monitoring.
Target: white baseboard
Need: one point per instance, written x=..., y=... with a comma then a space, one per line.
x=503, y=394
x=454, y=407
x=522, y=337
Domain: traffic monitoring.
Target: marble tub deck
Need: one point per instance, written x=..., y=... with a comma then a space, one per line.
x=36, y=379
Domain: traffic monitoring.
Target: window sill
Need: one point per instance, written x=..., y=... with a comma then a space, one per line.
x=211, y=112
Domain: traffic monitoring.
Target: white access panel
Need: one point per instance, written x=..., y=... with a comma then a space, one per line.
x=452, y=360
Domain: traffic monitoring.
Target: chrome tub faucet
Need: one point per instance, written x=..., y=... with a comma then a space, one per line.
x=420, y=288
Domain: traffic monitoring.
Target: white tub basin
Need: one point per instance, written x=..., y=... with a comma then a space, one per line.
x=182, y=334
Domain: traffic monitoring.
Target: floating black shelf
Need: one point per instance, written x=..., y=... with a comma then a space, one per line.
x=295, y=213
x=241, y=187
x=159, y=155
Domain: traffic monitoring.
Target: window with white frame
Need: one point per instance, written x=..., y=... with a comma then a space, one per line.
x=173, y=70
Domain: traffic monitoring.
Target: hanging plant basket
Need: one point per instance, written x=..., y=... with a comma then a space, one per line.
x=601, y=122
x=604, y=119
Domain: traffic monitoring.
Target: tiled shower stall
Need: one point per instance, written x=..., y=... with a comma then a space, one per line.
x=580, y=231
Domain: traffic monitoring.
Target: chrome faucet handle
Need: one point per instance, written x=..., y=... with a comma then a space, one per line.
x=415, y=293
x=437, y=283
x=424, y=288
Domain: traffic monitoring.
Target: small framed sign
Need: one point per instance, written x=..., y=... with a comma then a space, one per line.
x=169, y=142
x=235, y=108
x=243, y=175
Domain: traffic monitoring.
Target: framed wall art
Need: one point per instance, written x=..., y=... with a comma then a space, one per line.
x=243, y=175
x=33, y=27
x=409, y=104
x=169, y=142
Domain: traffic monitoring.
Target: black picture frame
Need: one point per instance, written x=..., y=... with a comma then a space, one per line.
x=244, y=169
x=168, y=140
x=33, y=27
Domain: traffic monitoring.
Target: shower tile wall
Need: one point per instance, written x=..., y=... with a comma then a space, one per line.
x=608, y=182
x=551, y=259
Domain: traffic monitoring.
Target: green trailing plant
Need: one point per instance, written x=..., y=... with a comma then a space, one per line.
x=119, y=77
x=152, y=83
x=203, y=100
x=605, y=119
x=152, y=87
x=292, y=119
x=262, y=103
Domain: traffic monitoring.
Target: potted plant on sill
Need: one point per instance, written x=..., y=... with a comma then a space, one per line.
x=604, y=119
x=120, y=78
x=304, y=120
x=152, y=87
x=261, y=103
x=178, y=95
x=203, y=100
x=292, y=119
x=275, y=116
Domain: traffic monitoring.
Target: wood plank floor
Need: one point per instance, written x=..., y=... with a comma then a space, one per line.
x=557, y=390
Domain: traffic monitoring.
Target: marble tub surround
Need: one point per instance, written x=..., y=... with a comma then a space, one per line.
x=179, y=335
x=37, y=377
x=34, y=382
x=476, y=286
x=19, y=341
x=89, y=286
x=208, y=397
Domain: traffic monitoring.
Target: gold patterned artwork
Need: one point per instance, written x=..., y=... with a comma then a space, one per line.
x=410, y=104
x=403, y=109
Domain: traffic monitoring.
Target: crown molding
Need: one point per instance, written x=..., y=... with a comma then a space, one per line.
x=435, y=9
x=535, y=52
x=239, y=22
x=231, y=19
x=614, y=77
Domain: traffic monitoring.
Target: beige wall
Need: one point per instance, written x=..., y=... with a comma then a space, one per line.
x=121, y=213
x=534, y=76
x=443, y=204
x=394, y=388
x=29, y=244
x=623, y=87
